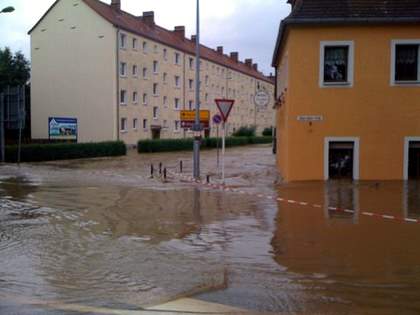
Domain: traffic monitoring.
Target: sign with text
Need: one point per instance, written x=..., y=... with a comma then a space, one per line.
x=225, y=107
x=262, y=98
x=189, y=115
x=310, y=118
x=60, y=128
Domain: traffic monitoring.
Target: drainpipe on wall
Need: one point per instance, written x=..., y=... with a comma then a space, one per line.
x=118, y=83
x=183, y=92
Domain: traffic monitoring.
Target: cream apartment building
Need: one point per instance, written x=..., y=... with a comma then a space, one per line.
x=124, y=77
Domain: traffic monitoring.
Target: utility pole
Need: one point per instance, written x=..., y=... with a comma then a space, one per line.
x=197, y=126
x=2, y=153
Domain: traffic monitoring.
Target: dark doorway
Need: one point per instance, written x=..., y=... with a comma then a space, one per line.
x=341, y=157
x=414, y=160
x=156, y=132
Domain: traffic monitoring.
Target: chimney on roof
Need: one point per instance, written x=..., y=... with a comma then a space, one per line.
x=220, y=49
x=255, y=66
x=194, y=38
x=235, y=56
x=116, y=4
x=294, y=3
x=149, y=18
x=180, y=31
x=248, y=62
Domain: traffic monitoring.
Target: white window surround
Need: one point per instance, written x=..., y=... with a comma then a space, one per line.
x=394, y=43
x=407, y=141
x=350, y=70
x=123, y=125
x=356, y=155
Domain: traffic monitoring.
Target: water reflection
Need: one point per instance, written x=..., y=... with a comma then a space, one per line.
x=357, y=261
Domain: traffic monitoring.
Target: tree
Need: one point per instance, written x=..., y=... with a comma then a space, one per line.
x=14, y=69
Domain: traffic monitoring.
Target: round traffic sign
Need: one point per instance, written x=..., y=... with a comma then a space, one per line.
x=217, y=119
x=262, y=98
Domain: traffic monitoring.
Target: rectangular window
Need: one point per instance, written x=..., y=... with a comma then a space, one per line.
x=191, y=84
x=135, y=97
x=336, y=64
x=135, y=71
x=177, y=125
x=123, y=124
x=155, y=112
x=144, y=73
x=165, y=54
x=135, y=44
x=165, y=77
x=155, y=67
x=123, y=41
x=123, y=97
x=135, y=123
x=145, y=99
x=177, y=81
x=177, y=58
x=191, y=61
x=190, y=105
x=165, y=101
x=176, y=105
x=145, y=47
x=123, y=69
x=155, y=49
x=145, y=124
x=406, y=62
x=155, y=89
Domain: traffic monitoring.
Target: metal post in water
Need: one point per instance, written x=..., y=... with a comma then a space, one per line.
x=20, y=117
x=160, y=168
x=165, y=173
x=180, y=167
x=197, y=126
x=2, y=150
x=152, y=170
x=208, y=179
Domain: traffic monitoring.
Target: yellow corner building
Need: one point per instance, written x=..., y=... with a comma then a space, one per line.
x=348, y=90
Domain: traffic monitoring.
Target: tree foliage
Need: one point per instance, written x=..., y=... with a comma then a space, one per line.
x=14, y=68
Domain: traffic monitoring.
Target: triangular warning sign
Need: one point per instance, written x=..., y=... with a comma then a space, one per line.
x=225, y=106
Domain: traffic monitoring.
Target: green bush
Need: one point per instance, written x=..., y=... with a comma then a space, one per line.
x=245, y=132
x=65, y=151
x=268, y=132
x=168, y=145
x=164, y=145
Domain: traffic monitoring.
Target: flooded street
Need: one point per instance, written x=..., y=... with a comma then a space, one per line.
x=101, y=233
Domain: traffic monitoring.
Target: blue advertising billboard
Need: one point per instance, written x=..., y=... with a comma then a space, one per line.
x=60, y=128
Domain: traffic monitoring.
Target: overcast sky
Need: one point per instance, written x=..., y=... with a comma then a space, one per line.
x=247, y=26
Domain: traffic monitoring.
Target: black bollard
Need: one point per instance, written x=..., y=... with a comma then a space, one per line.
x=164, y=173
x=160, y=168
x=208, y=179
x=180, y=167
x=152, y=170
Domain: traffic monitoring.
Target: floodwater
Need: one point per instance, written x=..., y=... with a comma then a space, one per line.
x=101, y=233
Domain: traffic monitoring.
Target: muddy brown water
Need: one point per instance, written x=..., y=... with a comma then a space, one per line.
x=101, y=233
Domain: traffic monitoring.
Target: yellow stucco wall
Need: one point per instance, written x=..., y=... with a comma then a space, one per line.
x=73, y=52
x=379, y=114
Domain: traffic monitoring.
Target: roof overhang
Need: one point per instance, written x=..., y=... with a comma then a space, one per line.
x=286, y=23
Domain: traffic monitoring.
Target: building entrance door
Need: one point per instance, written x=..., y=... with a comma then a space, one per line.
x=341, y=160
x=414, y=160
x=156, y=132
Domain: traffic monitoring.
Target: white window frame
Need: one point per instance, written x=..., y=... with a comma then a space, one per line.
x=135, y=43
x=165, y=54
x=155, y=113
x=135, y=124
x=165, y=78
x=177, y=104
x=123, y=101
x=145, y=124
x=177, y=58
x=123, y=41
x=145, y=98
x=123, y=69
x=135, y=71
x=177, y=123
x=407, y=141
x=155, y=91
x=124, y=130
x=155, y=67
x=394, y=44
x=191, y=84
x=177, y=82
x=356, y=155
x=165, y=101
x=350, y=64
x=144, y=73
x=135, y=97
x=145, y=47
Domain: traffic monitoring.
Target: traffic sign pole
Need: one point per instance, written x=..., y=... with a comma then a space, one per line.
x=223, y=151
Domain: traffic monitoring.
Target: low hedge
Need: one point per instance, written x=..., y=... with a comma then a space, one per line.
x=65, y=151
x=169, y=145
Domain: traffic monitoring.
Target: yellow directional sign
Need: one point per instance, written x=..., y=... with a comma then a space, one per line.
x=189, y=115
